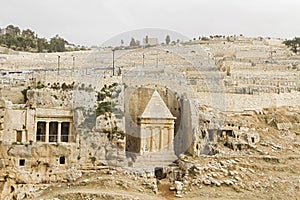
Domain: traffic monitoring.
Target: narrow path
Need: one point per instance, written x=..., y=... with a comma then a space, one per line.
x=112, y=191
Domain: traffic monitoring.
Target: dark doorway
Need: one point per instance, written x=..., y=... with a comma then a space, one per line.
x=229, y=133
x=22, y=162
x=41, y=132
x=65, y=131
x=19, y=136
x=159, y=173
x=62, y=160
x=53, y=131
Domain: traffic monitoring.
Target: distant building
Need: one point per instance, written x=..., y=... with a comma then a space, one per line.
x=150, y=41
x=3, y=31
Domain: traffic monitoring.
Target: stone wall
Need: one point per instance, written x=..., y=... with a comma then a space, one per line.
x=240, y=102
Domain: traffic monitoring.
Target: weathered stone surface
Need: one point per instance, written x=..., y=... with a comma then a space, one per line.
x=202, y=128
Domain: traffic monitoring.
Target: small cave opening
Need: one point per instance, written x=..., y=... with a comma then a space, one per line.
x=62, y=160
x=22, y=162
x=159, y=173
x=12, y=189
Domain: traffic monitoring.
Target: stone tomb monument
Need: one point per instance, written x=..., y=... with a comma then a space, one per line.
x=156, y=126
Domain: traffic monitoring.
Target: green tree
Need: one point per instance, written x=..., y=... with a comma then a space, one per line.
x=10, y=40
x=42, y=45
x=132, y=42
x=168, y=39
x=293, y=44
x=14, y=30
x=27, y=40
x=57, y=44
x=30, y=44
x=28, y=33
x=21, y=46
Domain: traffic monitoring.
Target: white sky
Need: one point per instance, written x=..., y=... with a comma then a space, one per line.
x=91, y=22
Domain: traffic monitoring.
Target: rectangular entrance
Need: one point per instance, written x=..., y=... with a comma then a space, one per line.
x=41, y=132
x=53, y=131
x=65, y=131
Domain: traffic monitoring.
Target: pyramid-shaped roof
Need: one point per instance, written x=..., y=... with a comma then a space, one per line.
x=156, y=108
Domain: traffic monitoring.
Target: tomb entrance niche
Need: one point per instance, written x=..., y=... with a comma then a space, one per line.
x=156, y=126
x=152, y=121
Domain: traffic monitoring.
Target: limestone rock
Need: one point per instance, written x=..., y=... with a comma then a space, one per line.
x=228, y=182
x=178, y=186
x=206, y=182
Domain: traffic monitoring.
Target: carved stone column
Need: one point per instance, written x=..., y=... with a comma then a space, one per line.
x=59, y=132
x=47, y=132
x=171, y=138
x=142, y=139
x=161, y=135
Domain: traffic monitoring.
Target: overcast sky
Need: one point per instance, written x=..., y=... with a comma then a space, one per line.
x=91, y=22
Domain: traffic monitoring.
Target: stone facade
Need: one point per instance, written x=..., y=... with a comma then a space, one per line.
x=36, y=125
x=156, y=126
x=175, y=103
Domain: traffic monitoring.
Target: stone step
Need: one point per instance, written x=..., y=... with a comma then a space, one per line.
x=147, y=165
x=151, y=166
x=150, y=160
x=157, y=159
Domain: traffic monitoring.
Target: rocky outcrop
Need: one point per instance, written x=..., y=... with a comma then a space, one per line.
x=49, y=98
